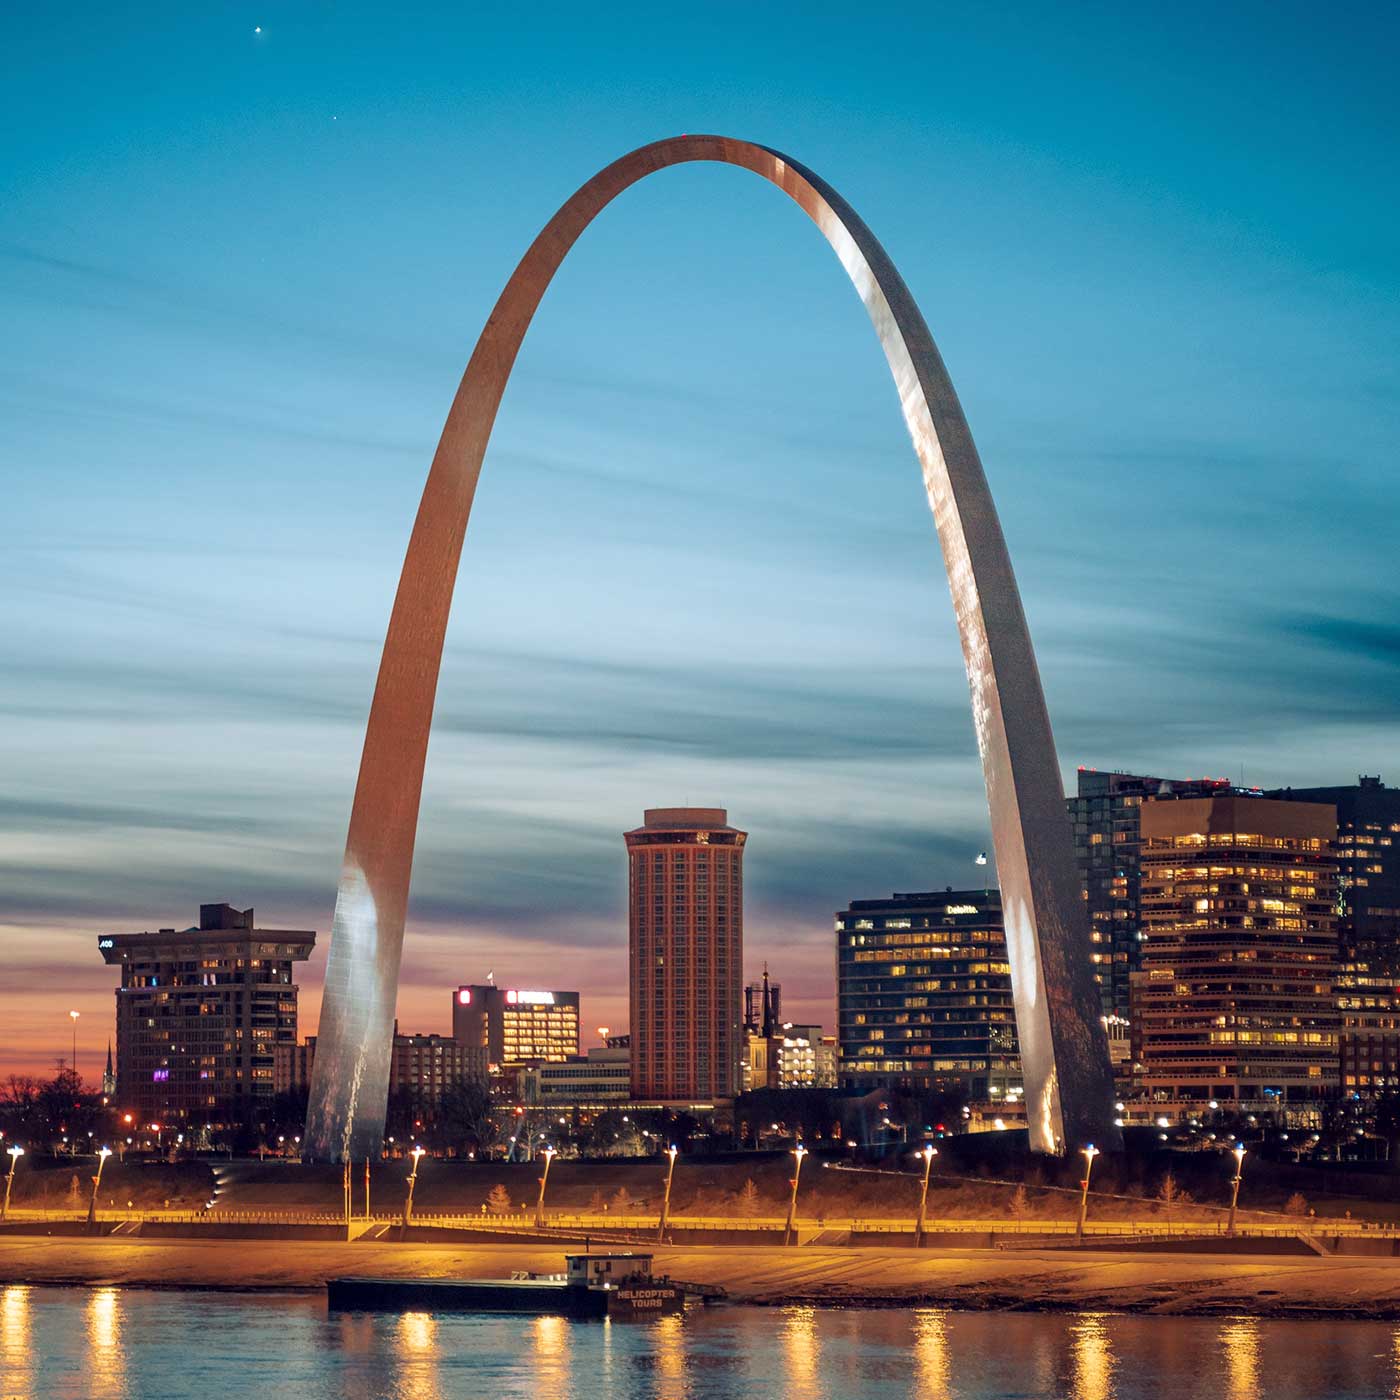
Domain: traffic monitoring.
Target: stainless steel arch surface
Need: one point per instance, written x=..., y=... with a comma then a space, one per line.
x=1063, y=1048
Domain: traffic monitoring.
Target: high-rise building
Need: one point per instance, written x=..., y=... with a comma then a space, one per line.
x=1368, y=929
x=515, y=1026
x=422, y=1066
x=1107, y=839
x=686, y=948
x=200, y=1013
x=1234, y=1002
x=425, y=1066
x=924, y=995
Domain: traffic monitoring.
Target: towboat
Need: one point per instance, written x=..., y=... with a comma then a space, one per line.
x=618, y=1286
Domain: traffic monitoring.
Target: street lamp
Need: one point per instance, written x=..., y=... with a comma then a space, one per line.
x=412, y=1182
x=544, y=1181
x=96, y=1184
x=73, y=1063
x=799, y=1152
x=928, y=1154
x=1238, y=1154
x=666, y=1197
x=1090, y=1153
x=16, y=1152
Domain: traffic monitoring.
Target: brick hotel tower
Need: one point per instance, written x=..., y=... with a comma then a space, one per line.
x=686, y=953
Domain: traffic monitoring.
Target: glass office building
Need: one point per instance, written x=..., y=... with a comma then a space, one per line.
x=924, y=995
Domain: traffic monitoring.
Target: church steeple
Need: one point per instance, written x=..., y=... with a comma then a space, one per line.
x=109, y=1077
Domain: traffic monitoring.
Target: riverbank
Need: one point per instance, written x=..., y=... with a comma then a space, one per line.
x=1183, y=1285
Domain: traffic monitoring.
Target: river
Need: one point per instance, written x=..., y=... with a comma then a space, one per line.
x=109, y=1344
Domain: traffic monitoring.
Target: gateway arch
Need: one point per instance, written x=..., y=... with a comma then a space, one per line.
x=1068, y=1086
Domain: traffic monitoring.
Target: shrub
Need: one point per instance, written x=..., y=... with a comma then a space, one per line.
x=1297, y=1204
x=498, y=1202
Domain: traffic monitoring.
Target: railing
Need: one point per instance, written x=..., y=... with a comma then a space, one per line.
x=515, y=1222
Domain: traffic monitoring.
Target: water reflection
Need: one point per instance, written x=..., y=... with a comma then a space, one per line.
x=106, y=1361
x=1093, y=1361
x=68, y=1344
x=15, y=1344
x=801, y=1351
x=550, y=1346
x=669, y=1339
x=418, y=1356
x=1241, y=1342
x=931, y=1355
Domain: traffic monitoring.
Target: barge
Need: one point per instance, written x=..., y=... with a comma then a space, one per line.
x=619, y=1286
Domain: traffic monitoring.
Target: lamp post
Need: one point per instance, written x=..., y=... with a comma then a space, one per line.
x=928, y=1154
x=1090, y=1153
x=16, y=1152
x=1238, y=1153
x=799, y=1152
x=666, y=1195
x=96, y=1186
x=412, y=1182
x=73, y=1063
x=544, y=1181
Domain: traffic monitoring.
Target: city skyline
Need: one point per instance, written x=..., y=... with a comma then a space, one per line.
x=205, y=480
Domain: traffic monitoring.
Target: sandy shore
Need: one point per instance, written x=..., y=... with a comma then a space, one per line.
x=978, y=1279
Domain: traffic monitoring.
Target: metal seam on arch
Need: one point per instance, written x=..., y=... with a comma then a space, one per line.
x=1063, y=1048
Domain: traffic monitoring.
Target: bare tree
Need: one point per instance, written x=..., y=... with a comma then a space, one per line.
x=1020, y=1204
x=1170, y=1194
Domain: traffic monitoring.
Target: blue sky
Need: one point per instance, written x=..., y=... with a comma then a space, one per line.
x=241, y=273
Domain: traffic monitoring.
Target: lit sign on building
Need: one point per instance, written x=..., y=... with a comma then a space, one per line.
x=105, y=943
x=464, y=995
x=530, y=998
x=961, y=909
x=160, y=1074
